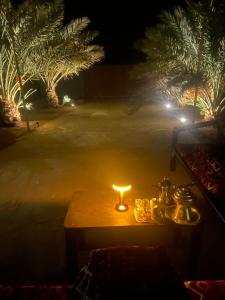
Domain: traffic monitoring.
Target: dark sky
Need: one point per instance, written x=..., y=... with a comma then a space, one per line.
x=119, y=24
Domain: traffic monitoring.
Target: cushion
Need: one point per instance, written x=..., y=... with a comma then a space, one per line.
x=133, y=272
x=36, y=292
x=207, y=164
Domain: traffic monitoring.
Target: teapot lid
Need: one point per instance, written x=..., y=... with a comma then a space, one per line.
x=165, y=182
x=183, y=195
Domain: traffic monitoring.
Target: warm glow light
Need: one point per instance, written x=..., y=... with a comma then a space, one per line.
x=72, y=104
x=168, y=105
x=29, y=106
x=183, y=119
x=122, y=189
x=121, y=207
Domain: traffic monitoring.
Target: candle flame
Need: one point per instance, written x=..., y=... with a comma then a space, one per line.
x=121, y=188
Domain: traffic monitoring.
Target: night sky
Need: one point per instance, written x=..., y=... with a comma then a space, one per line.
x=119, y=24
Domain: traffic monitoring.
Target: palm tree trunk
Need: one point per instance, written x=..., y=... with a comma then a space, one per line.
x=9, y=114
x=10, y=105
x=52, y=96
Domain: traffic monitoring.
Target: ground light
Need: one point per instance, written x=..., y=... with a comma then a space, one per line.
x=28, y=106
x=121, y=206
x=168, y=105
x=183, y=119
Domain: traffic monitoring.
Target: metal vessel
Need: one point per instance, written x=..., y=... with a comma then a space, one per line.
x=184, y=212
x=166, y=189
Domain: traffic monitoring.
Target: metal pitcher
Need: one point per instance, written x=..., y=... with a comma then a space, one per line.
x=166, y=188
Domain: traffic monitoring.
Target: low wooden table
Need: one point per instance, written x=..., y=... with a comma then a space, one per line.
x=92, y=222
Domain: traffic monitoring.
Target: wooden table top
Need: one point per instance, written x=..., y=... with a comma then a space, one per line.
x=89, y=210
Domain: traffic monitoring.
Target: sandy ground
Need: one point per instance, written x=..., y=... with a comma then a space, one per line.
x=86, y=150
x=37, y=117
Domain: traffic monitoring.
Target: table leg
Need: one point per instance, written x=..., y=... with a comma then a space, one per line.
x=194, y=251
x=188, y=238
x=73, y=241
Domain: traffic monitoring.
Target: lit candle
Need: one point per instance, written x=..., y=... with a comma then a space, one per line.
x=122, y=189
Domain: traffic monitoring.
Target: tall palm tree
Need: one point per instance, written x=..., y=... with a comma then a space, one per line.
x=10, y=88
x=21, y=31
x=35, y=45
x=66, y=52
x=187, y=50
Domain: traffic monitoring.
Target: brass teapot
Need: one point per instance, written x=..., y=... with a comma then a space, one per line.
x=184, y=212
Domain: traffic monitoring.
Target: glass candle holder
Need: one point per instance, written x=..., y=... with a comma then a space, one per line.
x=121, y=206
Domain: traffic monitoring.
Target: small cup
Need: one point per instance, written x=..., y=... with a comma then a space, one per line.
x=156, y=212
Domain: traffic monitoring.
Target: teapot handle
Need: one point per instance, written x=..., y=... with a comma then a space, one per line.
x=198, y=218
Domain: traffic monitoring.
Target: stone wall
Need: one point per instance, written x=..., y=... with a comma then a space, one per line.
x=109, y=81
x=101, y=82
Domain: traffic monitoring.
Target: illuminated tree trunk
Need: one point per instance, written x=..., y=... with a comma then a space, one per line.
x=52, y=96
x=9, y=114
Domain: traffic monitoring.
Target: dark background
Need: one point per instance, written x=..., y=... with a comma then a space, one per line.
x=119, y=23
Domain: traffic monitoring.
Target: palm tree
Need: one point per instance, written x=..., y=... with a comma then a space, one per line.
x=36, y=45
x=10, y=89
x=66, y=52
x=186, y=50
x=21, y=31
